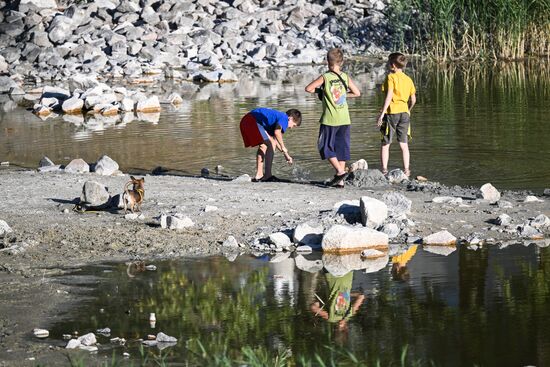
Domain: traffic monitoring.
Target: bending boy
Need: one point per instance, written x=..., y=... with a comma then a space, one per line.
x=264, y=128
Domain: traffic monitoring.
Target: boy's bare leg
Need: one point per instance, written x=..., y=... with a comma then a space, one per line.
x=406, y=157
x=384, y=157
x=339, y=166
x=260, y=156
x=270, y=151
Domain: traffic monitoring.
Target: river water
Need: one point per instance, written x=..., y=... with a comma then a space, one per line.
x=473, y=124
x=452, y=307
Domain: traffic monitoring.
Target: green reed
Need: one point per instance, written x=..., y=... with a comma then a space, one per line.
x=472, y=29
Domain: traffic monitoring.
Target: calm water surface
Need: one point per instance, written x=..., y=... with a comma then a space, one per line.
x=472, y=124
x=454, y=307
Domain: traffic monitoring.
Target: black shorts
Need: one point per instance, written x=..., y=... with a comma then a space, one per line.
x=395, y=124
x=334, y=141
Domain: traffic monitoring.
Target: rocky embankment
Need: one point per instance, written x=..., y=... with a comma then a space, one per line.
x=43, y=40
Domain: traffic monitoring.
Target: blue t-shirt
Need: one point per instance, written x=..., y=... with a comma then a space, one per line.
x=269, y=119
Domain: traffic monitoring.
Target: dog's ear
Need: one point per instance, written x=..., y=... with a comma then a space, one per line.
x=142, y=180
x=132, y=178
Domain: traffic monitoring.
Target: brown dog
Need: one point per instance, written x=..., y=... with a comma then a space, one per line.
x=133, y=198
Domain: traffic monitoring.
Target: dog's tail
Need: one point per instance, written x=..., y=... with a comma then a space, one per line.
x=126, y=191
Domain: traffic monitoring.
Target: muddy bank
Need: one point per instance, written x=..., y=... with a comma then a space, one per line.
x=50, y=237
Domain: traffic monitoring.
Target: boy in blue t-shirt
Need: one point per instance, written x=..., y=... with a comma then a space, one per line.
x=264, y=128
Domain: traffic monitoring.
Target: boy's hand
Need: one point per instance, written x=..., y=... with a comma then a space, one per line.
x=380, y=120
x=288, y=158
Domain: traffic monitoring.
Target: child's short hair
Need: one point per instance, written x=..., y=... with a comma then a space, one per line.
x=398, y=59
x=335, y=56
x=296, y=115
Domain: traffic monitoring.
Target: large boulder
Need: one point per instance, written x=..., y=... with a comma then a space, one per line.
x=373, y=212
x=367, y=178
x=106, y=166
x=398, y=204
x=489, y=193
x=94, y=195
x=280, y=240
x=7, y=84
x=72, y=106
x=148, y=105
x=345, y=239
x=306, y=234
x=77, y=166
x=82, y=82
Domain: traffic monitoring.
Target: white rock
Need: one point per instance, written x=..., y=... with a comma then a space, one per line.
x=88, y=348
x=176, y=222
x=447, y=200
x=306, y=234
x=87, y=339
x=94, y=195
x=341, y=239
x=106, y=166
x=243, y=178
x=540, y=221
x=131, y=216
x=360, y=164
x=82, y=82
x=72, y=105
x=489, y=193
x=304, y=249
x=175, y=99
x=210, y=208
x=163, y=338
x=280, y=240
x=41, y=333
x=396, y=176
x=391, y=229
x=127, y=105
x=50, y=4
x=441, y=238
x=231, y=242
x=503, y=220
x=73, y=343
x=4, y=228
x=148, y=105
x=373, y=212
x=77, y=166
x=532, y=199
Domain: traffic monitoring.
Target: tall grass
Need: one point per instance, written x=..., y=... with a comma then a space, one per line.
x=472, y=29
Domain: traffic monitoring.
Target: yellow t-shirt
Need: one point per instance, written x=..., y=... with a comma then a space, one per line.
x=403, y=88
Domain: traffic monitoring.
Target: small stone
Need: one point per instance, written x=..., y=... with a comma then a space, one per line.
x=503, y=204
x=87, y=339
x=442, y=238
x=243, y=178
x=175, y=222
x=532, y=199
x=526, y=231
x=503, y=220
x=72, y=105
x=205, y=172
x=46, y=162
x=73, y=343
x=391, y=229
x=77, y=166
x=373, y=212
x=280, y=240
x=148, y=105
x=447, y=200
x=219, y=169
x=230, y=242
x=360, y=164
x=41, y=333
x=396, y=176
x=151, y=267
x=489, y=193
x=105, y=331
x=163, y=338
x=175, y=99
x=540, y=221
x=131, y=216
x=397, y=204
x=546, y=192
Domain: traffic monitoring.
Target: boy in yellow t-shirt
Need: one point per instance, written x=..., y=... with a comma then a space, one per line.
x=394, y=116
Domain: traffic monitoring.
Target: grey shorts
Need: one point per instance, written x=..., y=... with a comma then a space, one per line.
x=395, y=124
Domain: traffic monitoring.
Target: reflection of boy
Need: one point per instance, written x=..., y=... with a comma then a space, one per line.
x=340, y=308
x=399, y=268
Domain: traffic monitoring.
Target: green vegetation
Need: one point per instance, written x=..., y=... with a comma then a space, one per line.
x=472, y=29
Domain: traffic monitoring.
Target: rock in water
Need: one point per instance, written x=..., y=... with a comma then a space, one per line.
x=489, y=193
x=163, y=338
x=373, y=212
x=73, y=343
x=308, y=235
x=41, y=333
x=77, y=166
x=342, y=239
x=398, y=204
x=148, y=105
x=72, y=106
x=442, y=238
x=88, y=339
x=106, y=166
x=94, y=195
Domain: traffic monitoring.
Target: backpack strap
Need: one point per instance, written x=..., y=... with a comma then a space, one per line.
x=342, y=80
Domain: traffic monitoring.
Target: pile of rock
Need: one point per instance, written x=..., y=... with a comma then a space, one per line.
x=46, y=40
x=104, y=166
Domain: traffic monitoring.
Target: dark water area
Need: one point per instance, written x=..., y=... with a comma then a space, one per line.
x=474, y=123
x=450, y=307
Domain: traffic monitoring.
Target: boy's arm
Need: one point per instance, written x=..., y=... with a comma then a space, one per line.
x=281, y=145
x=354, y=91
x=310, y=88
x=412, y=101
x=387, y=102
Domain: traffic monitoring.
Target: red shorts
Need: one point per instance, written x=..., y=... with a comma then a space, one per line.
x=253, y=133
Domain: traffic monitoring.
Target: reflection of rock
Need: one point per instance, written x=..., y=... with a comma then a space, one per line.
x=311, y=266
x=342, y=239
x=340, y=265
x=73, y=119
x=149, y=117
x=440, y=250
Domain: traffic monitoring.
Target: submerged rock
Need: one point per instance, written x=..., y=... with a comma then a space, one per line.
x=342, y=239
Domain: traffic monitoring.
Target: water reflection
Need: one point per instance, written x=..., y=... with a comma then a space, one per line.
x=468, y=120
x=460, y=309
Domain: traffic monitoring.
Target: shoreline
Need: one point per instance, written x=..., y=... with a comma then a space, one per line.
x=38, y=208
